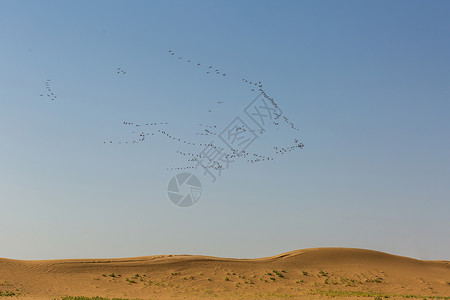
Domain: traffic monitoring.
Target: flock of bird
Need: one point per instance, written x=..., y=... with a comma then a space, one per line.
x=193, y=157
x=255, y=86
x=249, y=157
x=227, y=156
x=142, y=134
x=120, y=71
x=258, y=85
x=49, y=92
x=210, y=70
x=146, y=130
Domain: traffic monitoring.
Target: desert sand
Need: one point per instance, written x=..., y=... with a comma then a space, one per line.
x=316, y=273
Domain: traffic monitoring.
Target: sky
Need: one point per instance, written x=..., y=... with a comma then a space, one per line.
x=367, y=83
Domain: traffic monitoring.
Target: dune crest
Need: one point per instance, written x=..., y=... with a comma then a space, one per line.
x=307, y=273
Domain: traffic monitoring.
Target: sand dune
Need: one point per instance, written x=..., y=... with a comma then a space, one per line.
x=306, y=274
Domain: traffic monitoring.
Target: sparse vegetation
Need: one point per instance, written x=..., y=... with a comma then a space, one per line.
x=92, y=298
x=227, y=279
x=329, y=293
x=376, y=280
x=305, y=273
x=349, y=281
x=130, y=280
x=279, y=274
x=322, y=273
x=7, y=294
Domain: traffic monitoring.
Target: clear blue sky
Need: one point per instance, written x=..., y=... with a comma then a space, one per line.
x=367, y=82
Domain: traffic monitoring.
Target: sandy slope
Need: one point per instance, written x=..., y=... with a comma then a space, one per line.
x=306, y=274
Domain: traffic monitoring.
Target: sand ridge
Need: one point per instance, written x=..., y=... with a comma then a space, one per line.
x=308, y=273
